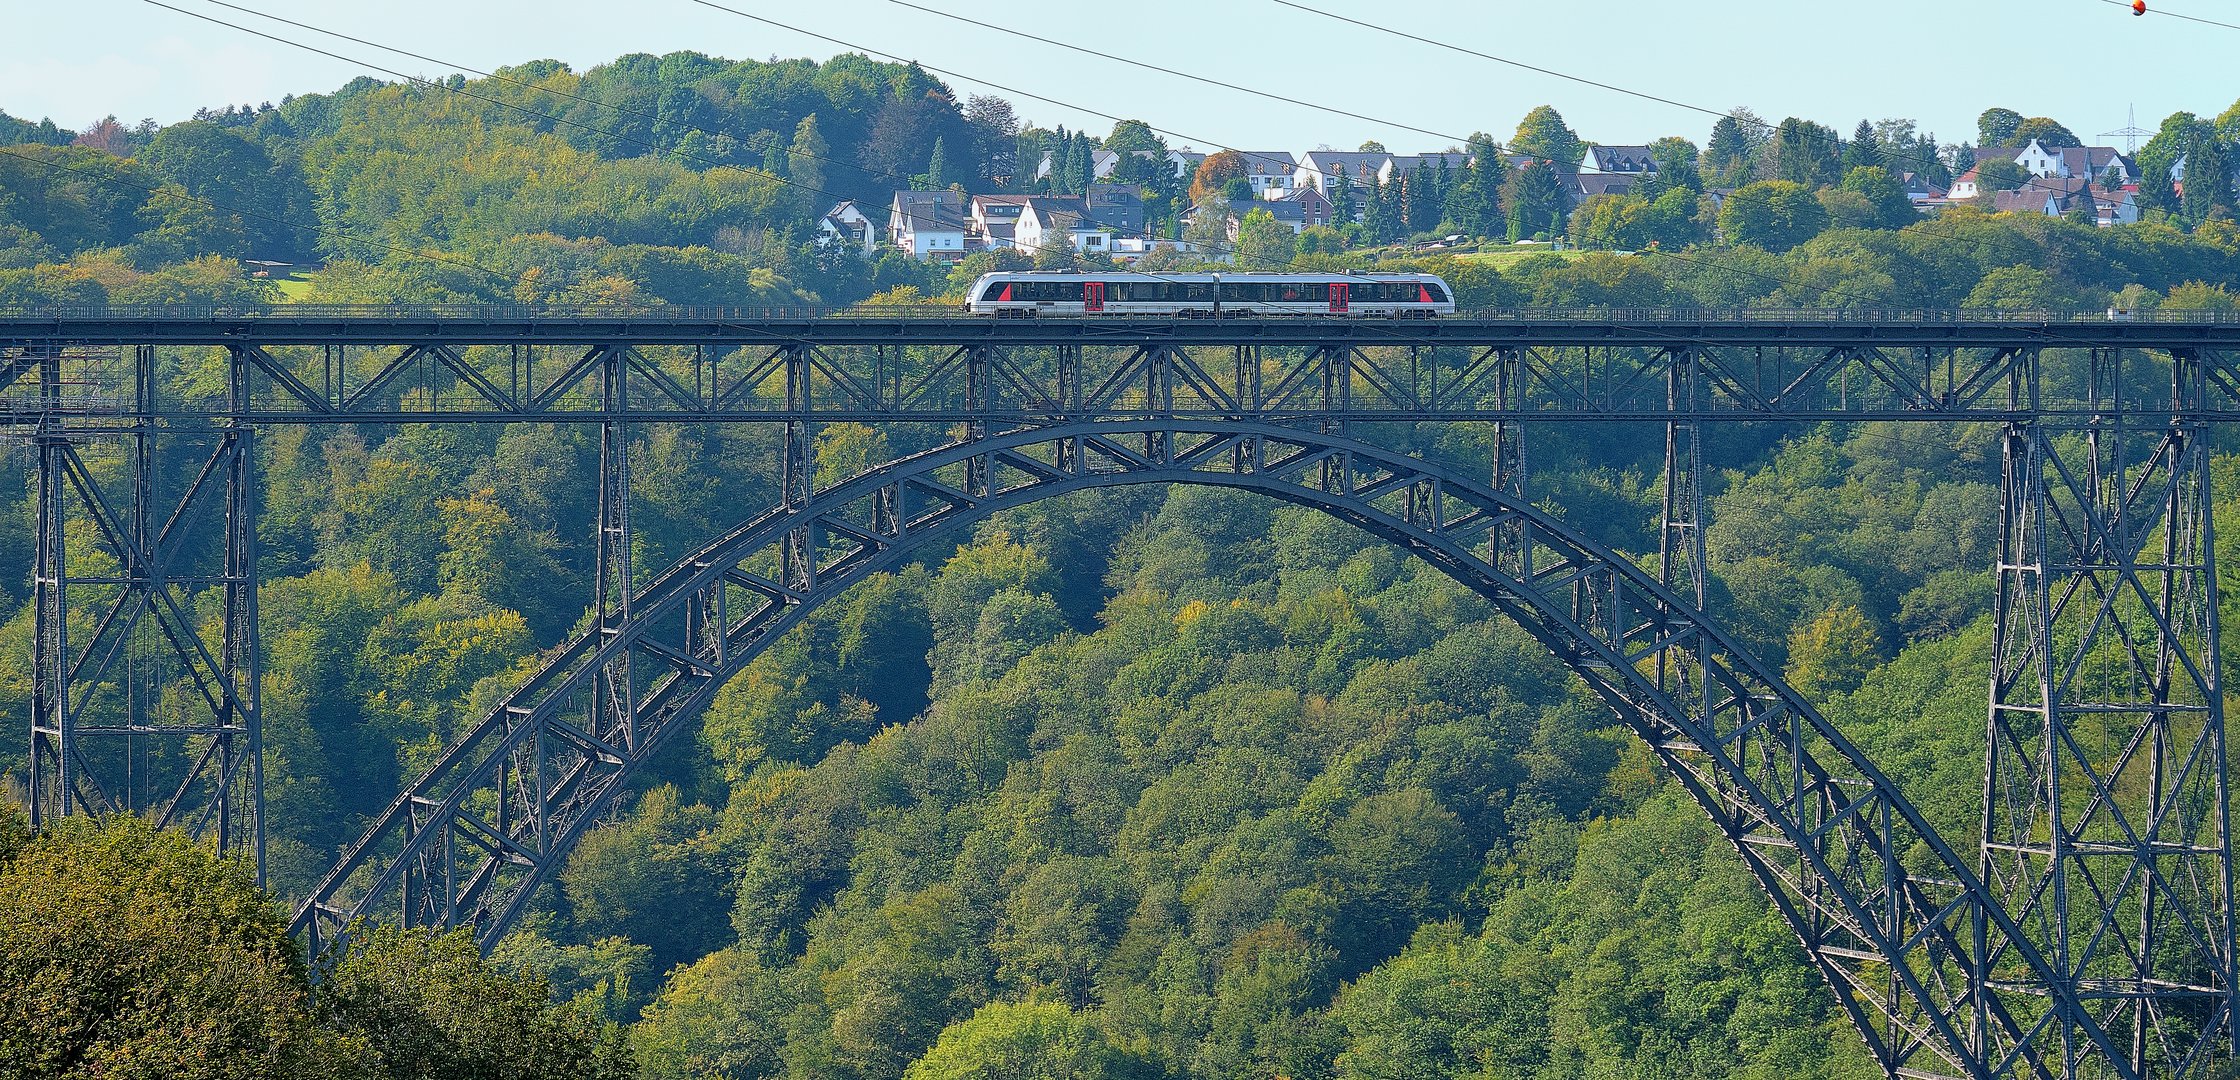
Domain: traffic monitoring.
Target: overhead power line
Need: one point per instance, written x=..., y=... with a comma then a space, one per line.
x=2157, y=9
x=581, y=126
x=523, y=110
x=868, y=51
x=1147, y=66
x=1692, y=260
x=2037, y=183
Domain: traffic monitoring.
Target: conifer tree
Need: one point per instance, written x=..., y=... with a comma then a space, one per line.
x=1342, y=204
x=1863, y=150
x=937, y=167
x=806, y=162
x=1384, y=220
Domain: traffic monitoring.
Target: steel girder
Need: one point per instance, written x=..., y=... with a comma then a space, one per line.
x=465, y=371
x=1886, y=909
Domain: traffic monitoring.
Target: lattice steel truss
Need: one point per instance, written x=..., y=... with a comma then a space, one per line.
x=2104, y=830
x=135, y=684
x=2090, y=932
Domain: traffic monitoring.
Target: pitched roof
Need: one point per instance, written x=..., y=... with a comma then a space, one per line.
x=1288, y=211
x=1407, y=163
x=1606, y=183
x=1116, y=207
x=1268, y=162
x=2079, y=159
x=1914, y=184
x=991, y=208
x=1351, y=163
x=930, y=211
x=1112, y=207
x=1622, y=159
x=2095, y=160
x=1043, y=206
x=2062, y=192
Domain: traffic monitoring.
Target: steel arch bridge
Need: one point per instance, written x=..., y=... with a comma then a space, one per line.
x=2089, y=931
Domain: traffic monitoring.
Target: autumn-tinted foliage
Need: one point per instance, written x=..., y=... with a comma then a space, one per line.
x=1128, y=784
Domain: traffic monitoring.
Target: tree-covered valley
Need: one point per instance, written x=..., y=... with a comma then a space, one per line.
x=1138, y=783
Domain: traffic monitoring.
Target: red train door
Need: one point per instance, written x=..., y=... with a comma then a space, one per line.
x=1340, y=297
x=1092, y=296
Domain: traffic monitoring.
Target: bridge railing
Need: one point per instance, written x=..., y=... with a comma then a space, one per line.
x=701, y=313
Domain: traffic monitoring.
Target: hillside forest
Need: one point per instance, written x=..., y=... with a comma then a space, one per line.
x=1140, y=783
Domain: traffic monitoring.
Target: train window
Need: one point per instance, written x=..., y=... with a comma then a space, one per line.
x=1047, y=291
x=1436, y=291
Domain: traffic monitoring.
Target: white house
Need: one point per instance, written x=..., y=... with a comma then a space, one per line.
x=1318, y=168
x=1269, y=172
x=2116, y=206
x=1048, y=219
x=928, y=224
x=995, y=218
x=846, y=225
x=2051, y=163
x=1297, y=211
x=1127, y=249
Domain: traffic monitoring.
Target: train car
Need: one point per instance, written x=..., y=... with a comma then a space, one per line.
x=1029, y=294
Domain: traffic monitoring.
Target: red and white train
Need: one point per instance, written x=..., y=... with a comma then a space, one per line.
x=1032, y=293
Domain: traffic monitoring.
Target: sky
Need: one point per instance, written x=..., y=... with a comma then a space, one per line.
x=2082, y=62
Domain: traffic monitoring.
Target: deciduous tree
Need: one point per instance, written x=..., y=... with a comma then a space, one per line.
x=1996, y=127
x=1773, y=214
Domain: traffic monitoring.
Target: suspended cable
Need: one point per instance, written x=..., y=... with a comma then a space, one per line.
x=937, y=218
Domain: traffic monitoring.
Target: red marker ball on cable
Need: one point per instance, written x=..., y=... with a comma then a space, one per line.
x=2138, y=7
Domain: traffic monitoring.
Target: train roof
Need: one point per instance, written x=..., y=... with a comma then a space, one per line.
x=1137, y=275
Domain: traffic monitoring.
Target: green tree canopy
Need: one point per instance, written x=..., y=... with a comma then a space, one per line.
x=2046, y=131
x=1773, y=214
x=1543, y=134
x=1026, y=1041
x=1833, y=653
x=1997, y=127
x=1881, y=193
x=128, y=951
x=1263, y=243
x=2000, y=174
x=423, y=1006
x=1730, y=158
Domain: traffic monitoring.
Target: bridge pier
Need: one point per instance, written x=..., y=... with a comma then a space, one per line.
x=2105, y=815
x=114, y=621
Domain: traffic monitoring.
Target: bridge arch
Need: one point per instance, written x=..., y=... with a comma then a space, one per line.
x=1917, y=950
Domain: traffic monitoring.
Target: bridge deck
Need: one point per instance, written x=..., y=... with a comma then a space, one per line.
x=1651, y=329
